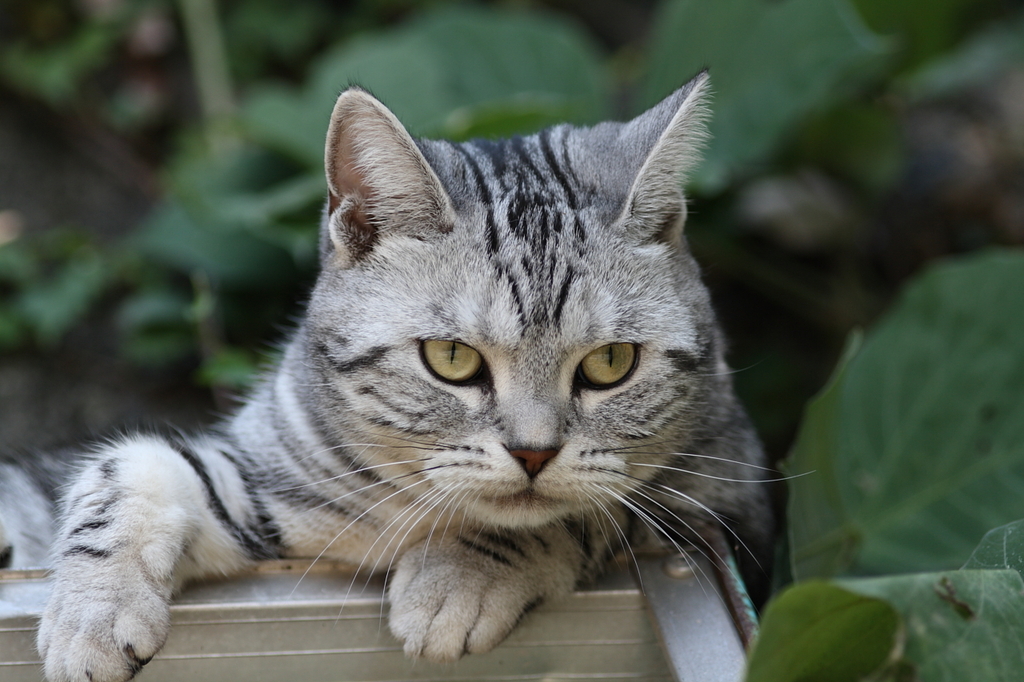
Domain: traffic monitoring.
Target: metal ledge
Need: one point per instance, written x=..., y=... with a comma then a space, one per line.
x=279, y=623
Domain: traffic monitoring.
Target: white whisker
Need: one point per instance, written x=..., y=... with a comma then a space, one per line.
x=721, y=478
x=652, y=522
x=712, y=457
x=349, y=525
x=716, y=516
x=351, y=472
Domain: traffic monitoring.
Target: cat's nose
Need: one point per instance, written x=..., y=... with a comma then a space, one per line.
x=533, y=460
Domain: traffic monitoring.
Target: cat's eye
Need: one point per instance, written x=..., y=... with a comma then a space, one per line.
x=451, y=360
x=608, y=365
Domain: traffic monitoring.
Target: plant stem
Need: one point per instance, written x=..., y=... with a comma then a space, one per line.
x=210, y=67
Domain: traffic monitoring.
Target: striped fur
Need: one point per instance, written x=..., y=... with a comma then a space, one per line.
x=534, y=251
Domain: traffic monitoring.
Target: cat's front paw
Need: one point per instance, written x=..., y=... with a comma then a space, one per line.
x=102, y=633
x=449, y=605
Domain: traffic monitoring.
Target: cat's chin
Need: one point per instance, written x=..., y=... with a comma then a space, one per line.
x=523, y=509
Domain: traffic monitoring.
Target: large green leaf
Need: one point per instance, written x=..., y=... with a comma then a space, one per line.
x=927, y=627
x=824, y=541
x=924, y=441
x=440, y=74
x=960, y=625
x=818, y=631
x=771, y=63
x=1001, y=547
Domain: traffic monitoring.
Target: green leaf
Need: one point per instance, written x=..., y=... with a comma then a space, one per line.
x=821, y=539
x=156, y=327
x=933, y=627
x=53, y=73
x=960, y=625
x=436, y=73
x=261, y=32
x=922, y=28
x=232, y=259
x=985, y=56
x=231, y=368
x=260, y=208
x=923, y=444
x=859, y=142
x=19, y=264
x=818, y=631
x=51, y=307
x=253, y=191
x=1001, y=547
x=507, y=117
x=12, y=327
x=771, y=63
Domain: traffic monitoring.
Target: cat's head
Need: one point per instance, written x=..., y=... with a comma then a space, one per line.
x=520, y=318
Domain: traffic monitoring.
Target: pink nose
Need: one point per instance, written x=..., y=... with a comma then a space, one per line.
x=533, y=460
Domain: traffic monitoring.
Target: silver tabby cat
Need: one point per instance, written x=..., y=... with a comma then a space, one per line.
x=509, y=367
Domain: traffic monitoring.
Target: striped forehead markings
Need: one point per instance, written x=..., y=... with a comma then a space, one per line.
x=519, y=146
x=536, y=188
x=556, y=167
x=485, y=195
x=533, y=212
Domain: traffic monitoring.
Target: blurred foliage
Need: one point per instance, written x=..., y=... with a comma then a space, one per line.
x=49, y=286
x=925, y=28
x=796, y=57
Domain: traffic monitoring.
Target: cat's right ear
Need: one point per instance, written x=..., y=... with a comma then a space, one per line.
x=378, y=182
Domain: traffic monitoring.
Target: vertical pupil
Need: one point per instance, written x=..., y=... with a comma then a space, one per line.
x=451, y=354
x=611, y=356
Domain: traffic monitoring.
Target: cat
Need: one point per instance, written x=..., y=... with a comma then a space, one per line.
x=508, y=370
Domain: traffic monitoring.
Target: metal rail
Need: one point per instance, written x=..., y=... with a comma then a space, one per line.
x=271, y=626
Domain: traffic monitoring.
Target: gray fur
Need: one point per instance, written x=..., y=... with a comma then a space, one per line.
x=534, y=251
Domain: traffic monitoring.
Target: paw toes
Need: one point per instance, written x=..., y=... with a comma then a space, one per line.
x=102, y=644
x=140, y=638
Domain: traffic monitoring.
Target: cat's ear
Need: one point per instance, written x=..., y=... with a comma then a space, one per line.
x=669, y=136
x=378, y=181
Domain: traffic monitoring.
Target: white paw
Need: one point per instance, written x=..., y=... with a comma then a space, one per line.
x=445, y=608
x=102, y=633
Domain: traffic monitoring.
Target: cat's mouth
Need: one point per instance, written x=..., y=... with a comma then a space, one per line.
x=526, y=496
x=523, y=508
x=527, y=500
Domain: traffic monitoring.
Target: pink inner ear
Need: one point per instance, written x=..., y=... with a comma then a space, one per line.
x=347, y=181
x=350, y=192
x=355, y=226
x=377, y=177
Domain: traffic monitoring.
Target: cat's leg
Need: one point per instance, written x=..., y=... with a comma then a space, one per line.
x=464, y=595
x=26, y=519
x=141, y=517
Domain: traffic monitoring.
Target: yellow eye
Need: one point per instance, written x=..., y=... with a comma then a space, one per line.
x=451, y=360
x=608, y=364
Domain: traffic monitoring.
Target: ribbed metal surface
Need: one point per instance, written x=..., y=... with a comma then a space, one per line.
x=270, y=626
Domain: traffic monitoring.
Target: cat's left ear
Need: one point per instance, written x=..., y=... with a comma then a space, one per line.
x=379, y=182
x=672, y=133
